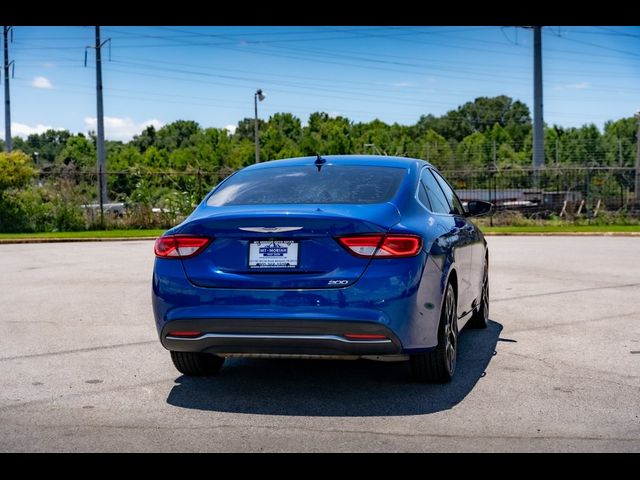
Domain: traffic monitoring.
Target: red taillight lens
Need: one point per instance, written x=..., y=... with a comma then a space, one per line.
x=400, y=246
x=188, y=334
x=390, y=246
x=362, y=246
x=364, y=336
x=180, y=246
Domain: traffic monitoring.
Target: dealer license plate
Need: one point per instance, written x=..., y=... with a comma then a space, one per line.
x=273, y=254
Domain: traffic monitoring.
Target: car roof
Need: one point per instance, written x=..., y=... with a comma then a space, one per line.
x=365, y=160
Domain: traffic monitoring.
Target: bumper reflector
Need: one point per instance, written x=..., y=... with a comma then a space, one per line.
x=364, y=336
x=184, y=334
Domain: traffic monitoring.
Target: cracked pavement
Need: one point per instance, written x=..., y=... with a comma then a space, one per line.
x=558, y=369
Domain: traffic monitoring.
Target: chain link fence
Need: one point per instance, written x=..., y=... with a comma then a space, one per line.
x=561, y=191
x=65, y=198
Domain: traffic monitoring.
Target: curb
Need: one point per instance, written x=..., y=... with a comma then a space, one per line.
x=65, y=240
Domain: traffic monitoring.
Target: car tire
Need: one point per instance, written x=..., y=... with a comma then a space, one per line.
x=439, y=365
x=196, y=363
x=480, y=318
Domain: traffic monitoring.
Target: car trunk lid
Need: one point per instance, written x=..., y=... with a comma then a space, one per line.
x=282, y=247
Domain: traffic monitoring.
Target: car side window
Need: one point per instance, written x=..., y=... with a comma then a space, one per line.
x=437, y=199
x=452, y=198
x=422, y=195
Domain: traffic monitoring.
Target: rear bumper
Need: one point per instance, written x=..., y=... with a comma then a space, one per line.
x=402, y=297
x=258, y=336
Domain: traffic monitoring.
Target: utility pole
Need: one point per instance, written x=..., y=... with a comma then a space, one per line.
x=8, y=142
x=102, y=170
x=538, y=122
x=637, y=191
x=100, y=146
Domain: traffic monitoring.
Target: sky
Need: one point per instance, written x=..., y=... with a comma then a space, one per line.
x=155, y=75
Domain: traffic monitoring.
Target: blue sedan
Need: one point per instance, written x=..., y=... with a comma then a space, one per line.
x=337, y=257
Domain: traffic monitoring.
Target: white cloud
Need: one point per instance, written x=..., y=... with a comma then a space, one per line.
x=41, y=82
x=579, y=86
x=124, y=129
x=231, y=128
x=48, y=65
x=404, y=84
x=23, y=130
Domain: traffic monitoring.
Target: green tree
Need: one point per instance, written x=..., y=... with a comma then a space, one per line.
x=48, y=144
x=281, y=137
x=481, y=114
x=246, y=129
x=620, y=141
x=155, y=159
x=220, y=142
x=16, y=204
x=123, y=165
x=582, y=146
x=474, y=152
x=378, y=137
x=437, y=150
x=15, y=170
x=424, y=124
x=145, y=140
x=78, y=151
x=242, y=153
x=177, y=134
x=326, y=135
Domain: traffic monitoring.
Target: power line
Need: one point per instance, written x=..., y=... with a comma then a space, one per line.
x=635, y=54
x=346, y=58
x=615, y=32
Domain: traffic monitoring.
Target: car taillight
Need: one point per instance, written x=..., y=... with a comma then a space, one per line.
x=382, y=246
x=180, y=246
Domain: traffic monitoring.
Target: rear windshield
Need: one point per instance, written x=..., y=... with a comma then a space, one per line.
x=305, y=184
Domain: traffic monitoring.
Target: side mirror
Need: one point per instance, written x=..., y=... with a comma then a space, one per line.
x=476, y=208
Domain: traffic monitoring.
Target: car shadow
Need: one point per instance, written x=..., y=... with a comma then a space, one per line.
x=321, y=388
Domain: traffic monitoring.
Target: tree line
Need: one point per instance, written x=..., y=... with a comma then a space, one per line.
x=485, y=132
x=50, y=175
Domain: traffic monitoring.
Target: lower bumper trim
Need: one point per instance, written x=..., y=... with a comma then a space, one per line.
x=280, y=337
x=247, y=336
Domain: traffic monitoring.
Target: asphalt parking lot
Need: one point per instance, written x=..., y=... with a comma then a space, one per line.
x=557, y=370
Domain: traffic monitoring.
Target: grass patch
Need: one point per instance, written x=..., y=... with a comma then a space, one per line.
x=484, y=228
x=86, y=234
x=561, y=229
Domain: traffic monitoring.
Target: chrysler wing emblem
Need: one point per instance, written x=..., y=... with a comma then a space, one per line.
x=269, y=229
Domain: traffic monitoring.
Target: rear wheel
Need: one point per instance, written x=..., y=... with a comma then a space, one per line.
x=196, y=363
x=439, y=364
x=480, y=318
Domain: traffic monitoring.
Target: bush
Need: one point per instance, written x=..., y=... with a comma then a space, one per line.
x=15, y=170
x=49, y=208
